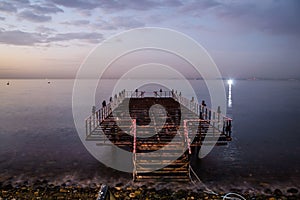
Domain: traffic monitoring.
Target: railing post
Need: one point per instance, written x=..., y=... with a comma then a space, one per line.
x=201, y=113
x=94, y=116
x=103, y=117
x=229, y=127
x=133, y=121
x=219, y=113
x=224, y=126
x=98, y=117
x=90, y=125
x=214, y=119
x=186, y=134
x=86, y=127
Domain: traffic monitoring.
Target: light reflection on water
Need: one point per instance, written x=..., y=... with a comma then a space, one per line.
x=229, y=96
x=38, y=137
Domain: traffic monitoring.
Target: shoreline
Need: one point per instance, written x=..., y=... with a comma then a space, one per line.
x=68, y=190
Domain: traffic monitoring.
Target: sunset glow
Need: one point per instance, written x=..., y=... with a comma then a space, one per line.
x=246, y=39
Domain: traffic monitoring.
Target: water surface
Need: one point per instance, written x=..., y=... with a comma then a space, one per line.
x=38, y=138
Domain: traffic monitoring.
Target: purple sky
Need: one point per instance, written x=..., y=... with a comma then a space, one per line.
x=49, y=39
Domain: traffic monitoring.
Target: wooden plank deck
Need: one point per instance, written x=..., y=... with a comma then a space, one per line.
x=144, y=138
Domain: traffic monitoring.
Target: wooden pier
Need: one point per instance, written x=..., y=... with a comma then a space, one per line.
x=139, y=132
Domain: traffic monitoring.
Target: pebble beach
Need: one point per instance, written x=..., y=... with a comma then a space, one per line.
x=42, y=189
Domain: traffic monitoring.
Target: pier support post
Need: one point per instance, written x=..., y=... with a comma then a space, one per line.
x=219, y=113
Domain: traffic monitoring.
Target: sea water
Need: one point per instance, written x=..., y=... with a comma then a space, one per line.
x=38, y=139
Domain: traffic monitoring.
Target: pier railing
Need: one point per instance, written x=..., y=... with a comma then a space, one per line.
x=142, y=94
x=219, y=121
x=187, y=137
x=98, y=116
x=205, y=123
x=133, y=132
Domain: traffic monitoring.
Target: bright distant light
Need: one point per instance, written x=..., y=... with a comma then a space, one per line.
x=230, y=82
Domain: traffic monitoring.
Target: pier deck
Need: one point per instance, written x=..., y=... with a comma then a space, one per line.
x=132, y=121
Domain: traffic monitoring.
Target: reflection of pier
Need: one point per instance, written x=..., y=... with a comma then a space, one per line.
x=156, y=136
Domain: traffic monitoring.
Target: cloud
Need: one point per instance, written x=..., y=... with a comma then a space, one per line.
x=117, y=5
x=17, y=37
x=81, y=4
x=77, y=22
x=21, y=1
x=46, y=8
x=7, y=7
x=172, y=3
x=37, y=12
x=43, y=29
x=103, y=25
x=277, y=17
x=30, y=16
x=138, y=5
x=85, y=13
x=126, y=22
x=2, y=18
x=87, y=37
x=272, y=17
x=198, y=7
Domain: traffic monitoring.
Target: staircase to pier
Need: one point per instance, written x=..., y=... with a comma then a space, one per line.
x=136, y=125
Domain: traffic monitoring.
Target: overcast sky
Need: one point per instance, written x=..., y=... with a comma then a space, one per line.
x=51, y=38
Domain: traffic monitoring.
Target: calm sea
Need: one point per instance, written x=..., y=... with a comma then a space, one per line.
x=38, y=139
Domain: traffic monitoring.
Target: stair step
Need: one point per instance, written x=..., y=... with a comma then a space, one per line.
x=162, y=173
x=149, y=168
x=157, y=164
x=148, y=159
x=156, y=154
x=163, y=178
x=168, y=168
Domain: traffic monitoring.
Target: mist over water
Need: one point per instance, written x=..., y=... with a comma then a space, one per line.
x=38, y=139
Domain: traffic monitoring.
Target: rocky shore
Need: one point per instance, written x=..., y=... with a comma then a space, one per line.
x=45, y=190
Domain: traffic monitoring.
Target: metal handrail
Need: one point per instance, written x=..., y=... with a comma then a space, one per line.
x=186, y=136
x=94, y=120
x=133, y=132
x=189, y=103
x=206, y=114
x=98, y=116
x=142, y=94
